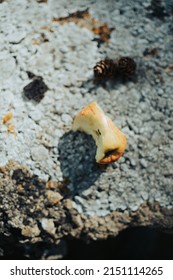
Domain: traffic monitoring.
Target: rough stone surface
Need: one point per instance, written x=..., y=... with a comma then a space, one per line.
x=138, y=189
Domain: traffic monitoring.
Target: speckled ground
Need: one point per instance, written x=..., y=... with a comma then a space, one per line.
x=64, y=56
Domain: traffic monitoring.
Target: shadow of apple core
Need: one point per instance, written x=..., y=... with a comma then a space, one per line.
x=77, y=161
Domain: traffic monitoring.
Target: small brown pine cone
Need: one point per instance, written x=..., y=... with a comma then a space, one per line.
x=126, y=66
x=105, y=69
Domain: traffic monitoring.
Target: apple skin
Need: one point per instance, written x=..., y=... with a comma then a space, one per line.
x=110, y=141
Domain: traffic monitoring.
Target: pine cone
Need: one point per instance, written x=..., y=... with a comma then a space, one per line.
x=105, y=69
x=126, y=66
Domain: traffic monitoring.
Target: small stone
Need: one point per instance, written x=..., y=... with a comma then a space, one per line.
x=39, y=153
x=134, y=207
x=54, y=197
x=143, y=163
x=144, y=195
x=68, y=204
x=132, y=162
x=35, y=90
x=79, y=200
x=30, y=231
x=66, y=118
x=48, y=225
x=158, y=116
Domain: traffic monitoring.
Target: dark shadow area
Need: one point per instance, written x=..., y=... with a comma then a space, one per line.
x=140, y=76
x=133, y=243
x=114, y=83
x=77, y=158
x=12, y=249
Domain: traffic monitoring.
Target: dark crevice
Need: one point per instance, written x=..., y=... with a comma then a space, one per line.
x=132, y=243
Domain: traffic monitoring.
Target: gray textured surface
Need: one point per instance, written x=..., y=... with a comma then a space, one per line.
x=142, y=108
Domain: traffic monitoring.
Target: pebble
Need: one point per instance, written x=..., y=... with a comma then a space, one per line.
x=48, y=225
x=133, y=162
x=39, y=153
x=30, y=231
x=66, y=119
x=143, y=163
